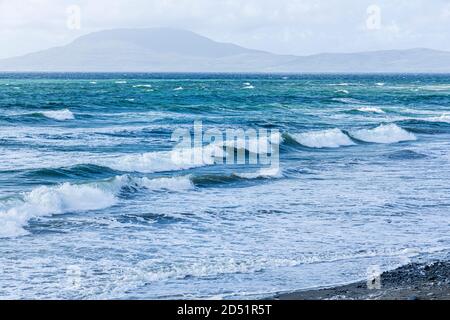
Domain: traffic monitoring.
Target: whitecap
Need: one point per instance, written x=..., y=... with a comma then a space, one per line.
x=59, y=115
x=258, y=145
x=442, y=118
x=390, y=133
x=142, y=86
x=46, y=201
x=164, y=161
x=349, y=101
x=178, y=89
x=332, y=138
x=120, y=82
x=370, y=109
x=262, y=173
x=343, y=91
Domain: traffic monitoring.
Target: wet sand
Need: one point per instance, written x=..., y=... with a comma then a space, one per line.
x=410, y=282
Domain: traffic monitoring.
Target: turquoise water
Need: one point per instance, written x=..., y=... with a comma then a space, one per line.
x=91, y=206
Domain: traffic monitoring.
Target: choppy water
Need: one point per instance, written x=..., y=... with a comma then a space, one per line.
x=92, y=207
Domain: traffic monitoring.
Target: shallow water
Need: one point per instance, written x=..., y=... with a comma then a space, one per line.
x=91, y=206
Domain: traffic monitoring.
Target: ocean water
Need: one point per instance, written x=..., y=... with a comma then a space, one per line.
x=92, y=207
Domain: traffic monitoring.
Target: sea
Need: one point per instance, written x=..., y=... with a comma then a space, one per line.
x=94, y=206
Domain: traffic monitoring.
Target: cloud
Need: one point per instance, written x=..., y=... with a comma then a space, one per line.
x=282, y=26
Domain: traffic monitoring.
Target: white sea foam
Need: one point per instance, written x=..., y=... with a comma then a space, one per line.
x=439, y=87
x=332, y=138
x=343, y=91
x=120, y=82
x=349, y=101
x=59, y=115
x=262, y=173
x=255, y=145
x=178, y=89
x=379, y=84
x=248, y=87
x=371, y=109
x=142, y=86
x=45, y=201
x=180, y=183
x=442, y=118
x=146, y=163
x=161, y=161
x=390, y=133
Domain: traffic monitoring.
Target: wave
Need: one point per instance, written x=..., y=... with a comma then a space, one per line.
x=142, y=86
x=59, y=115
x=164, y=161
x=189, y=158
x=212, y=179
x=349, y=101
x=71, y=172
x=254, y=145
x=405, y=155
x=261, y=173
x=343, y=91
x=178, y=89
x=370, y=110
x=332, y=138
x=443, y=118
x=46, y=201
x=390, y=133
x=439, y=87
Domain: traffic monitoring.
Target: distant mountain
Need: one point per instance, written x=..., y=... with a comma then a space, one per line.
x=172, y=50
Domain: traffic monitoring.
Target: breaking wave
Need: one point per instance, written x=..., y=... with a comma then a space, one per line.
x=370, y=110
x=50, y=200
x=59, y=115
x=390, y=133
x=332, y=138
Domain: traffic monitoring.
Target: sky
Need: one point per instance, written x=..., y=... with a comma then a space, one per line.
x=300, y=27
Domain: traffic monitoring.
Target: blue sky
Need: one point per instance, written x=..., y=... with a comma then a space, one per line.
x=281, y=26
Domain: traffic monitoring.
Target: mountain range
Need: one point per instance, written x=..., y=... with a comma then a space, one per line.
x=173, y=50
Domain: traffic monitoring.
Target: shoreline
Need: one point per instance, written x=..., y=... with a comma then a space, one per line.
x=415, y=281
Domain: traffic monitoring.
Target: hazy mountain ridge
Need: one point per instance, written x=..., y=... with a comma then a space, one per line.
x=172, y=50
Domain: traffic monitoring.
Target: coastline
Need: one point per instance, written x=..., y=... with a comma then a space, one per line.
x=414, y=281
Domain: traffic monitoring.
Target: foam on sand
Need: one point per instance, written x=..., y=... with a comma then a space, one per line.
x=390, y=133
x=332, y=138
x=59, y=115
